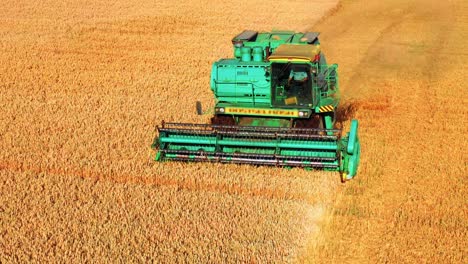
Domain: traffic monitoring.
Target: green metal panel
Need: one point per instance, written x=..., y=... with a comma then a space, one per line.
x=352, y=151
x=289, y=144
x=353, y=137
x=241, y=82
x=250, y=83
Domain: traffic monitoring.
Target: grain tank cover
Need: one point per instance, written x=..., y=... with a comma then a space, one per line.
x=295, y=52
x=246, y=35
x=310, y=37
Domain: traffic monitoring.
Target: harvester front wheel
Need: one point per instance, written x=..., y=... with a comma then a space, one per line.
x=315, y=121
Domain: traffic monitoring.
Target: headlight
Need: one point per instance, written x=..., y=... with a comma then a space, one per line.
x=301, y=113
x=221, y=110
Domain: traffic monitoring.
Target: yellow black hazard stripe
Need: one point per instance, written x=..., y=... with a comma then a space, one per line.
x=326, y=108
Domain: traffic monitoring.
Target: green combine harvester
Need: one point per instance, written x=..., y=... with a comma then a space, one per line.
x=275, y=105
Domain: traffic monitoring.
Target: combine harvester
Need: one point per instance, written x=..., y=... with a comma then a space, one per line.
x=275, y=105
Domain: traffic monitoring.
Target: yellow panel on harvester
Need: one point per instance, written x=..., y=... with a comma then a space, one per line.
x=262, y=111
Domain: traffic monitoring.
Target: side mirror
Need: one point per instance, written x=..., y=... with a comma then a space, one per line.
x=198, y=106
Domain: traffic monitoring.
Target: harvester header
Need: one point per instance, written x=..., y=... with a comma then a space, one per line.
x=275, y=105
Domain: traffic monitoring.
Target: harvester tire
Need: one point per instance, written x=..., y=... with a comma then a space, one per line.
x=315, y=121
x=223, y=120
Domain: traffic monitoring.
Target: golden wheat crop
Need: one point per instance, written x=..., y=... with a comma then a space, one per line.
x=82, y=86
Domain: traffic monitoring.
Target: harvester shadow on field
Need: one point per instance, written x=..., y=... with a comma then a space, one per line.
x=345, y=112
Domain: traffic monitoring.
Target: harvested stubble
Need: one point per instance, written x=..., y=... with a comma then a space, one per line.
x=403, y=65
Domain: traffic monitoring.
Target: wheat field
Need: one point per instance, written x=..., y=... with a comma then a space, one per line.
x=82, y=86
x=83, y=83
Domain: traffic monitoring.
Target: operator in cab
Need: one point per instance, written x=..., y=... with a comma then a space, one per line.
x=297, y=76
x=297, y=81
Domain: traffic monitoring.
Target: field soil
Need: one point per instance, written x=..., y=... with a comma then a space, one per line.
x=84, y=83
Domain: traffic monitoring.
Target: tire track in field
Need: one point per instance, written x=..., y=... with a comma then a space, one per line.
x=226, y=189
x=404, y=204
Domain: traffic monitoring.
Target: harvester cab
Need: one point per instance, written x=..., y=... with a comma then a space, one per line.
x=275, y=105
x=292, y=85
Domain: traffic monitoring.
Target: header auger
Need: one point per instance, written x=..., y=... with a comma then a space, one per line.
x=275, y=105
